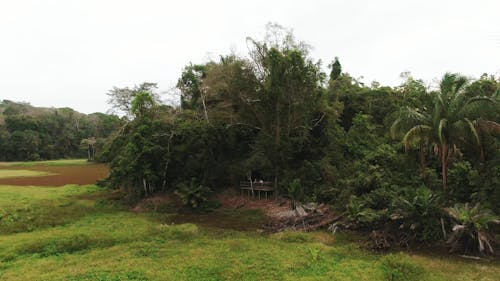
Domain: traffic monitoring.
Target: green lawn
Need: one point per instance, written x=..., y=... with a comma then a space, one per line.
x=80, y=233
x=61, y=162
x=21, y=174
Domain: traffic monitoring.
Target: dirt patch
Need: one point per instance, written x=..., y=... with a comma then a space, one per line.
x=273, y=209
x=62, y=175
x=161, y=202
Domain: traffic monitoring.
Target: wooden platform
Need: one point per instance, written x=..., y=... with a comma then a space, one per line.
x=255, y=189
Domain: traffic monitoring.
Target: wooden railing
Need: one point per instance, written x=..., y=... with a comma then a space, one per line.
x=255, y=189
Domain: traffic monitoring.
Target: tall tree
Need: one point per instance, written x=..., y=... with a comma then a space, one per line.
x=447, y=121
x=121, y=99
x=336, y=69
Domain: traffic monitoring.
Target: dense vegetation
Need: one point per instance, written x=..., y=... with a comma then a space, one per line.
x=33, y=133
x=392, y=158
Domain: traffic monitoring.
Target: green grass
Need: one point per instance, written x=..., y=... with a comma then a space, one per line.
x=21, y=173
x=28, y=208
x=61, y=162
x=82, y=233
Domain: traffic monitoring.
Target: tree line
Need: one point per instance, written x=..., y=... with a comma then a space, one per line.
x=29, y=133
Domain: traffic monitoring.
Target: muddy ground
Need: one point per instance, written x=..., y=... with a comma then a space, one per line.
x=82, y=174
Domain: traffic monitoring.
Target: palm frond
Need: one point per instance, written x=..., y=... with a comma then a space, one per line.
x=416, y=133
x=472, y=128
x=489, y=127
x=440, y=131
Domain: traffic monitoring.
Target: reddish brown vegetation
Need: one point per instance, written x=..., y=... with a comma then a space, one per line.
x=84, y=174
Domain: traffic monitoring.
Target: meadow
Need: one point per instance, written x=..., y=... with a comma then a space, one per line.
x=84, y=232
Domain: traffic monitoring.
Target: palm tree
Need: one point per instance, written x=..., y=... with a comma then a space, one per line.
x=446, y=119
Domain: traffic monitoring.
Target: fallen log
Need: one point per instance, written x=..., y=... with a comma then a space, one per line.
x=309, y=222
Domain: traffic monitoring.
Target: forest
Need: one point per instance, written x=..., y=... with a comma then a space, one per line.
x=406, y=165
x=29, y=133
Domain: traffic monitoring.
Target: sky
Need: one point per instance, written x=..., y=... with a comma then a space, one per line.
x=69, y=53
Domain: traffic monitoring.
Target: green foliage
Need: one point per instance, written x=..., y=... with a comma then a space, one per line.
x=400, y=267
x=447, y=119
x=470, y=231
x=414, y=212
x=314, y=254
x=294, y=191
x=417, y=212
x=336, y=69
x=463, y=182
x=489, y=181
x=31, y=133
x=193, y=195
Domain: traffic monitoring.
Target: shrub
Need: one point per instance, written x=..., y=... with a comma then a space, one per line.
x=397, y=217
x=194, y=195
x=294, y=190
x=359, y=212
x=399, y=267
x=470, y=232
x=417, y=212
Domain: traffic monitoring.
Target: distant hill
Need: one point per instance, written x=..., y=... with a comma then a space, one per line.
x=8, y=107
x=40, y=133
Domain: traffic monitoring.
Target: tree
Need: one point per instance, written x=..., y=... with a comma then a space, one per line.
x=447, y=120
x=90, y=145
x=121, y=99
x=336, y=69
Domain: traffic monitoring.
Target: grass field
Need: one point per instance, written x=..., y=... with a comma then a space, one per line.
x=61, y=162
x=83, y=233
x=5, y=174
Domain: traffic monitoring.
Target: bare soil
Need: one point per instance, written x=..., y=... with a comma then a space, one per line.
x=273, y=209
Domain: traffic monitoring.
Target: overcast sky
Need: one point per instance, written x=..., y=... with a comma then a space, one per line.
x=69, y=53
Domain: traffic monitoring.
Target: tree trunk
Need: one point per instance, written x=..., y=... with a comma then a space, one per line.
x=277, y=143
x=422, y=159
x=164, y=184
x=482, y=157
x=251, y=184
x=204, y=107
x=444, y=164
x=145, y=187
x=88, y=152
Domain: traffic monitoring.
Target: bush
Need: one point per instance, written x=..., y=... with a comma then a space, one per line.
x=417, y=212
x=463, y=181
x=399, y=267
x=194, y=195
x=470, y=232
x=294, y=191
x=402, y=215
